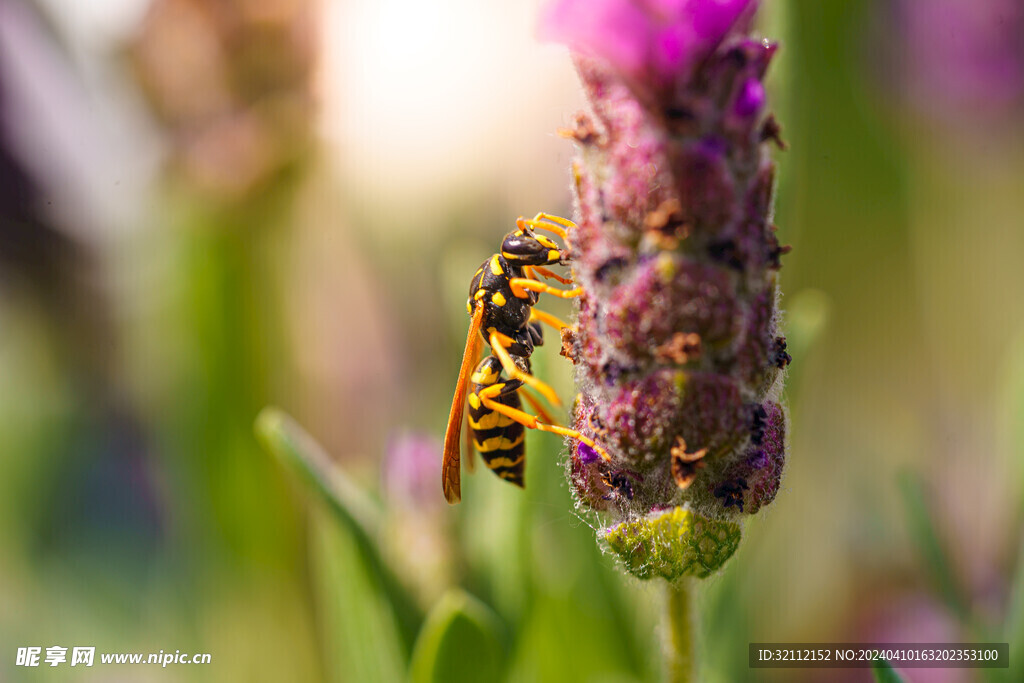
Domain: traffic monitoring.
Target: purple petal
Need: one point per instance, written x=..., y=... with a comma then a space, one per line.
x=671, y=48
x=613, y=30
x=586, y=454
x=713, y=19
x=750, y=99
x=662, y=37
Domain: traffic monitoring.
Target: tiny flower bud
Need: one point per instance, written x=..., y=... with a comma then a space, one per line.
x=673, y=543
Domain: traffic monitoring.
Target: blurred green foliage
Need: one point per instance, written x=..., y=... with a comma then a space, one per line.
x=561, y=610
x=884, y=673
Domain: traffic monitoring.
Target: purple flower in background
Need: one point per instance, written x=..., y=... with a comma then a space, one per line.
x=231, y=84
x=961, y=57
x=414, y=535
x=678, y=354
x=411, y=470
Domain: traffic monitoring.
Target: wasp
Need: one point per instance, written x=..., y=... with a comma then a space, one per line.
x=502, y=298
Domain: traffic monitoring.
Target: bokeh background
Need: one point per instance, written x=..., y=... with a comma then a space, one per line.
x=209, y=206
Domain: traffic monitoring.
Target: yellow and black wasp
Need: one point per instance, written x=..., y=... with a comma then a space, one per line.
x=502, y=296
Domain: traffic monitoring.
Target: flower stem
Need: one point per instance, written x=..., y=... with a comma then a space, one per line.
x=680, y=659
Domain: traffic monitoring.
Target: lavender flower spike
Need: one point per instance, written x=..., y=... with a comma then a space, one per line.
x=678, y=355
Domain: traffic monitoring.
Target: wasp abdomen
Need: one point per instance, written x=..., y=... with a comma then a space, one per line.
x=498, y=438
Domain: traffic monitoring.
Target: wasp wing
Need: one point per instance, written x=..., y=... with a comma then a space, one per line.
x=451, y=481
x=470, y=462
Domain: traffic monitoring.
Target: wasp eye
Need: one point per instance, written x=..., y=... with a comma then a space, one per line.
x=521, y=244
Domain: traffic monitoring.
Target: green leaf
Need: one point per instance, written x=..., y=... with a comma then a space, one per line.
x=361, y=639
x=495, y=530
x=305, y=458
x=350, y=506
x=1013, y=631
x=460, y=641
x=884, y=673
x=563, y=639
x=934, y=554
x=1011, y=407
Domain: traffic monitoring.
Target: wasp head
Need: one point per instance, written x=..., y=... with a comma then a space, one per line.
x=526, y=248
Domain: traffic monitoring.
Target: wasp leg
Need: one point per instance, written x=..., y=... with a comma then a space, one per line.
x=542, y=412
x=530, y=421
x=537, y=222
x=519, y=285
x=523, y=224
x=548, y=274
x=547, y=318
x=554, y=219
x=513, y=371
x=505, y=340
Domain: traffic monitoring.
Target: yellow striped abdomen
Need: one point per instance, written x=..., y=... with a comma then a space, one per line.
x=500, y=440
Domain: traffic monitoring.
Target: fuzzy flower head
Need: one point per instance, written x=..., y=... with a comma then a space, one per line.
x=679, y=359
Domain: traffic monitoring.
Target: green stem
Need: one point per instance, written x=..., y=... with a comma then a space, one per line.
x=680, y=659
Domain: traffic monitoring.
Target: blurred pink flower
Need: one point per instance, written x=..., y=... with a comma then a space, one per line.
x=411, y=469
x=415, y=536
x=231, y=82
x=962, y=56
x=657, y=39
x=892, y=616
